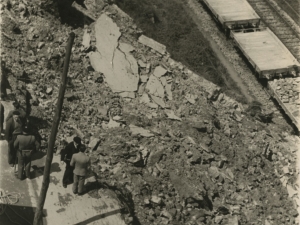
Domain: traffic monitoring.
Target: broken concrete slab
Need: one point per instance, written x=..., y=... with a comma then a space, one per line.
x=145, y=98
x=141, y=63
x=168, y=89
x=94, y=143
x=163, y=81
x=110, y=124
x=86, y=39
x=152, y=105
x=127, y=94
x=144, y=78
x=171, y=115
x=191, y=98
x=152, y=44
x=159, y=101
x=190, y=140
x=139, y=130
x=159, y=71
x=155, y=87
x=114, y=60
x=291, y=191
x=107, y=35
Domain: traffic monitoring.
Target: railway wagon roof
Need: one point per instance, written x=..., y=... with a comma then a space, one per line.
x=232, y=10
x=265, y=50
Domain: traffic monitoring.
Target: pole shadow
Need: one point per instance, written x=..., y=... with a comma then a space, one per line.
x=16, y=214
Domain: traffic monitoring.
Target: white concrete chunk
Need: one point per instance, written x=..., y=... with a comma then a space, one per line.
x=127, y=94
x=144, y=98
x=163, y=81
x=159, y=101
x=171, y=115
x=155, y=87
x=114, y=60
x=141, y=63
x=152, y=44
x=141, y=131
x=159, y=71
x=86, y=40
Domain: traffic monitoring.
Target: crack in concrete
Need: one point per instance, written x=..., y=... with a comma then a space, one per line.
x=125, y=58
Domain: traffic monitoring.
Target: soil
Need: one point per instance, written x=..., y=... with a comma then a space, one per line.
x=230, y=70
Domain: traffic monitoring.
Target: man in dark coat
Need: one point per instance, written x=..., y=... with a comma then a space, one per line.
x=81, y=163
x=25, y=145
x=66, y=156
x=12, y=129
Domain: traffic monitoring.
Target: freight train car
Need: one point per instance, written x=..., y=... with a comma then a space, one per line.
x=265, y=52
x=233, y=14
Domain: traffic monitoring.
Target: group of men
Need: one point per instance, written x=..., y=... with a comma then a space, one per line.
x=22, y=144
x=77, y=165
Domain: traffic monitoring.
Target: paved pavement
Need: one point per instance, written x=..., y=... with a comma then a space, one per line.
x=61, y=205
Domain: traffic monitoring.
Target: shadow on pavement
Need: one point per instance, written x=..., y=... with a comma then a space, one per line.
x=100, y=216
x=120, y=192
x=39, y=171
x=15, y=214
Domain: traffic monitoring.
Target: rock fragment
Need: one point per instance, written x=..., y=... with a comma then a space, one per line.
x=152, y=44
x=140, y=131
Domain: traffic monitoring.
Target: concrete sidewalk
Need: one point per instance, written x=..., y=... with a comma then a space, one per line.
x=61, y=205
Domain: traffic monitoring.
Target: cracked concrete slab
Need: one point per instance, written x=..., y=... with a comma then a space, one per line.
x=114, y=59
x=107, y=35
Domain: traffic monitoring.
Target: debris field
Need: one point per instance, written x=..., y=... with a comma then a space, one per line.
x=186, y=152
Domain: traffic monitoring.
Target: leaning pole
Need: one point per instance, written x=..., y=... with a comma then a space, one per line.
x=46, y=179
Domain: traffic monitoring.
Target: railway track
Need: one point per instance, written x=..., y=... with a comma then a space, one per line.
x=291, y=7
x=279, y=23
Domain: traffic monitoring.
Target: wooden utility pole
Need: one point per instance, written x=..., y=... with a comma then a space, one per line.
x=46, y=179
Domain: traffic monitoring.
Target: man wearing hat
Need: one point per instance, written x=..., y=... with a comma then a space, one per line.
x=66, y=156
x=25, y=145
x=12, y=129
x=17, y=107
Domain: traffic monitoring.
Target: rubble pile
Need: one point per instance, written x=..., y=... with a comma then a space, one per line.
x=187, y=153
x=288, y=89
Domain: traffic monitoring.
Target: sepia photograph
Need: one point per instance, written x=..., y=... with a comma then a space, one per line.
x=150, y=112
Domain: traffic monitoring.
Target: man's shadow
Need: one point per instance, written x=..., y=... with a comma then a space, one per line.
x=38, y=165
x=39, y=170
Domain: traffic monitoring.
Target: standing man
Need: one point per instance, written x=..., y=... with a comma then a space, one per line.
x=66, y=156
x=25, y=145
x=17, y=107
x=12, y=129
x=81, y=162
